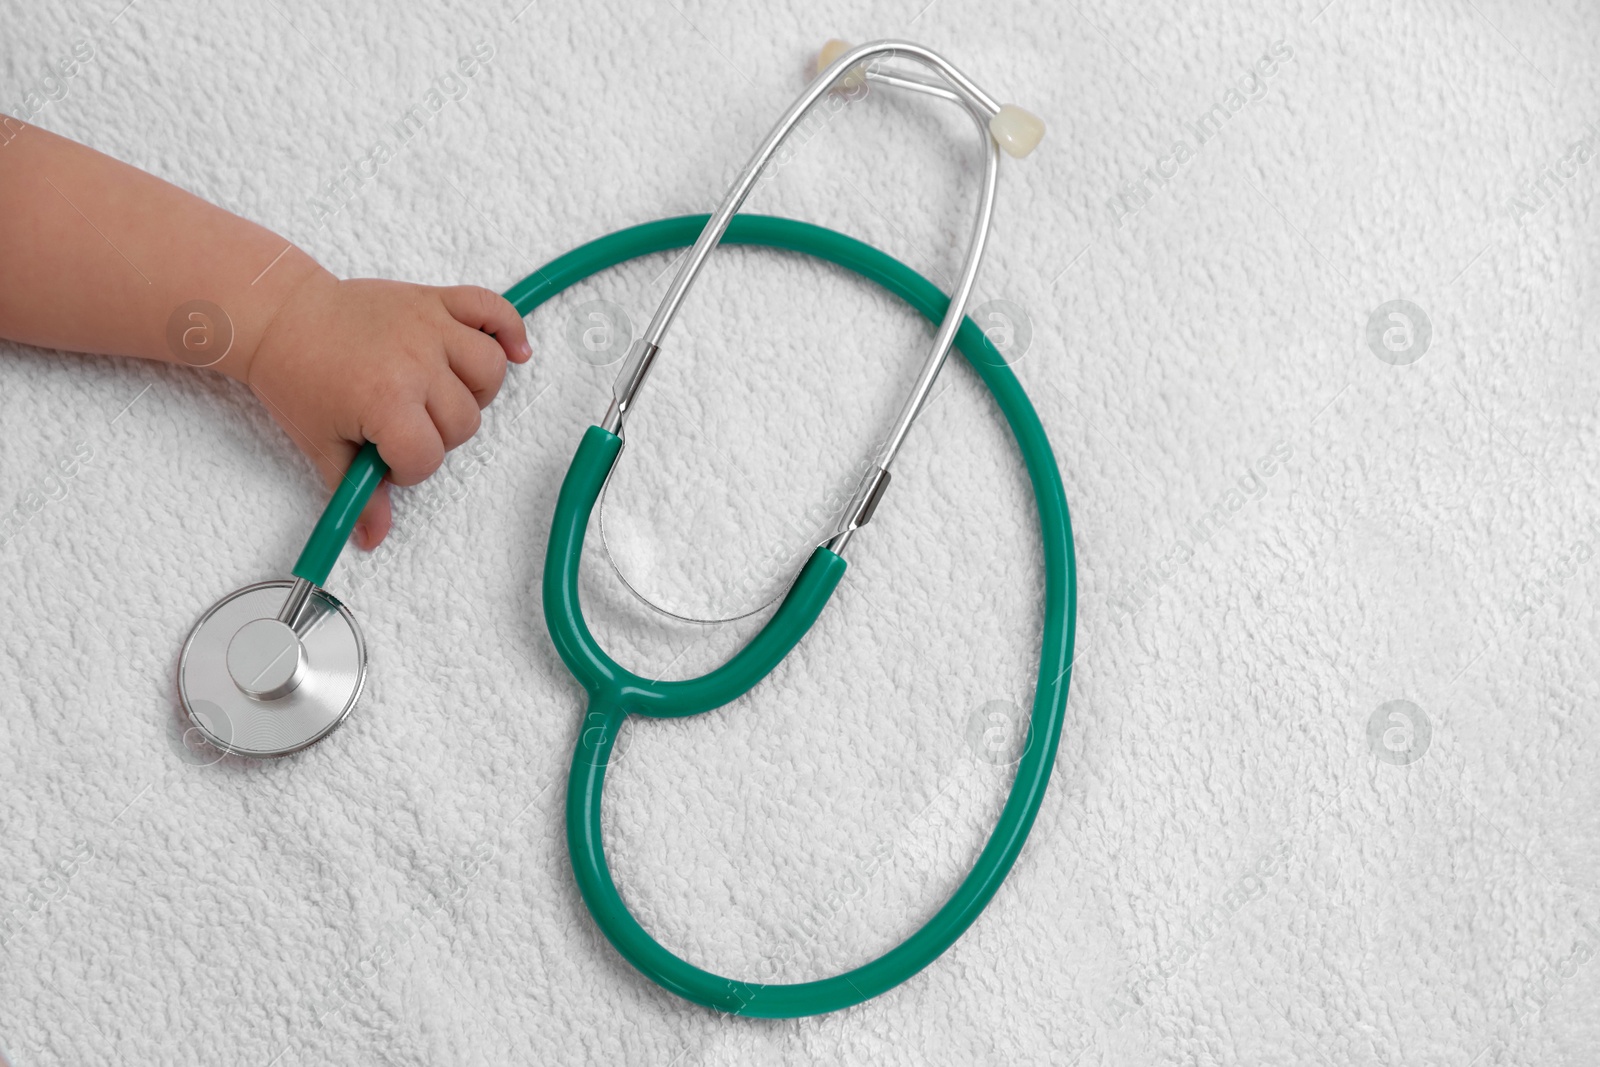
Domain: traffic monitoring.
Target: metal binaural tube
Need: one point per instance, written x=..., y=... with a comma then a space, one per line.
x=958, y=300
x=960, y=87
x=871, y=490
x=913, y=83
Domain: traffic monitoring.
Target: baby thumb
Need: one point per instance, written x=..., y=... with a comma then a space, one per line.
x=376, y=519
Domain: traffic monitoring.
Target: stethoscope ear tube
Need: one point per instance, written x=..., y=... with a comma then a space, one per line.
x=339, y=517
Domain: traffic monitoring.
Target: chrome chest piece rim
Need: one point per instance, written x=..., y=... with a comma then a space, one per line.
x=261, y=678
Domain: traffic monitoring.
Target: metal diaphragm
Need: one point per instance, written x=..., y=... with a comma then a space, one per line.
x=253, y=686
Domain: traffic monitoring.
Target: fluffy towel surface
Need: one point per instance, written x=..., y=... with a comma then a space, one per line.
x=1293, y=510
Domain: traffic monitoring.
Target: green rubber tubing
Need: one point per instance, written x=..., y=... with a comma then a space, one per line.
x=339, y=517
x=614, y=692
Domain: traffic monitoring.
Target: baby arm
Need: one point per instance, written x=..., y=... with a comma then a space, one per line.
x=96, y=256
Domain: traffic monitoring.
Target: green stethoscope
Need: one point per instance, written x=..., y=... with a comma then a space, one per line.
x=275, y=667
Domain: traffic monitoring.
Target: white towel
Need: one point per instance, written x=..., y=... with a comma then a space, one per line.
x=1285, y=521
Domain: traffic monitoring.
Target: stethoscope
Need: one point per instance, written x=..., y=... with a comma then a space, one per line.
x=275, y=667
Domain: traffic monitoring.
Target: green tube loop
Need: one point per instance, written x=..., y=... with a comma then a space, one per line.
x=614, y=692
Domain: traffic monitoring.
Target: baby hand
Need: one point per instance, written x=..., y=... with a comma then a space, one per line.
x=407, y=367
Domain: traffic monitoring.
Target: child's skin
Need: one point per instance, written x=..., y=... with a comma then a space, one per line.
x=96, y=255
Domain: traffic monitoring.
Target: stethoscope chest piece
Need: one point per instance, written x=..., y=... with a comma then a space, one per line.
x=256, y=683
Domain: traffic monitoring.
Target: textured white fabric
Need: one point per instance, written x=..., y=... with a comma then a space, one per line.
x=1279, y=533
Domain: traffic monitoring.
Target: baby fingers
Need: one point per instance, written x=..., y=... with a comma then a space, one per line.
x=454, y=411
x=478, y=360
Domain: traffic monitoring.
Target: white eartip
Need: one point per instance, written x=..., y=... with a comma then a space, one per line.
x=830, y=52
x=1017, y=131
x=854, y=78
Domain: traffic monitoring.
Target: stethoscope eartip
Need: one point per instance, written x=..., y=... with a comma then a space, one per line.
x=854, y=79
x=1016, y=130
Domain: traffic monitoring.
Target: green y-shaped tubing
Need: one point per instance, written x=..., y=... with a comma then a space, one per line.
x=615, y=692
